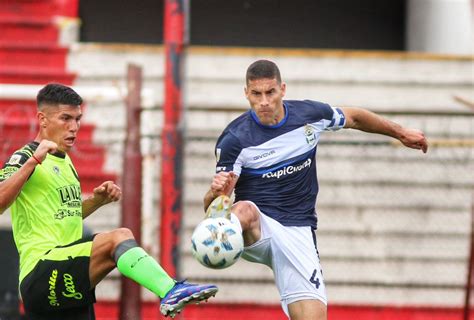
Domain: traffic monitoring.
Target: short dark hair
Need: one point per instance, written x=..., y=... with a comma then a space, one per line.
x=263, y=69
x=55, y=93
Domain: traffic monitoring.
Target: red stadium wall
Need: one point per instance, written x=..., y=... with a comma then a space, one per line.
x=213, y=311
x=30, y=52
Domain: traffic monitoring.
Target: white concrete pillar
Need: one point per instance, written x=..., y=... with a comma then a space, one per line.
x=440, y=26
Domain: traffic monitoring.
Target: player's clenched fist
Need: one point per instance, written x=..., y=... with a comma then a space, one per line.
x=45, y=147
x=415, y=139
x=107, y=192
x=223, y=183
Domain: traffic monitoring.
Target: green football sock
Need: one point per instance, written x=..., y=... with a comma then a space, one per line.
x=137, y=265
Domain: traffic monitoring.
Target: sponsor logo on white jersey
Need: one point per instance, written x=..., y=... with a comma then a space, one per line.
x=287, y=170
x=264, y=155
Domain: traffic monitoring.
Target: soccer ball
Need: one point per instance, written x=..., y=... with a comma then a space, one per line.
x=217, y=243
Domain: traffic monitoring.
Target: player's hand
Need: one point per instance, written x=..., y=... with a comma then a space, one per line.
x=223, y=183
x=45, y=147
x=415, y=139
x=107, y=192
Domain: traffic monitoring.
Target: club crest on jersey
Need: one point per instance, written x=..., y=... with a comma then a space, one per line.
x=310, y=135
x=56, y=170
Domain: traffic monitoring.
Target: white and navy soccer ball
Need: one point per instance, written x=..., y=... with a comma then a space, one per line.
x=217, y=243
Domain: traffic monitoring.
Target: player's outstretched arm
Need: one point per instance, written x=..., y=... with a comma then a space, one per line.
x=365, y=120
x=107, y=192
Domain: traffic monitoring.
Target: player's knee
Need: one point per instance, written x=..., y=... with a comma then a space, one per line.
x=105, y=243
x=246, y=212
x=122, y=234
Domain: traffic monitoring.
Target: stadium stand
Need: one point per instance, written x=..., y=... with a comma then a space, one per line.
x=399, y=233
x=31, y=52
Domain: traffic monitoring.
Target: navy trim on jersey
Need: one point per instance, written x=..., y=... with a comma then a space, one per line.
x=279, y=124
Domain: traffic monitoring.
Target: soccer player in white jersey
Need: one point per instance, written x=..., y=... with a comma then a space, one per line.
x=267, y=157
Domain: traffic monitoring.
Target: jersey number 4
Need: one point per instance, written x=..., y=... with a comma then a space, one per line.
x=314, y=280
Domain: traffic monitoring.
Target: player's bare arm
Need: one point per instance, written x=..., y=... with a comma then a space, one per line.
x=222, y=183
x=364, y=120
x=107, y=192
x=10, y=188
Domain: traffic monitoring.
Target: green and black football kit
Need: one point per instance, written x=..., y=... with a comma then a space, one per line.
x=54, y=259
x=47, y=228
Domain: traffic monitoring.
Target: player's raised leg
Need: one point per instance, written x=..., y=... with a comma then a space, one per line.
x=119, y=248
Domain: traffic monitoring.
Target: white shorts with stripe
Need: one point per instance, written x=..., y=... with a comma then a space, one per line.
x=292, y=254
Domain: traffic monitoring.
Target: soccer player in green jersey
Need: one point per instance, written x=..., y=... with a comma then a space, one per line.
x=59, y=269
